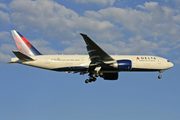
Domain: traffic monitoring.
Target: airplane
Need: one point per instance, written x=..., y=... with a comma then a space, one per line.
x=96, y=64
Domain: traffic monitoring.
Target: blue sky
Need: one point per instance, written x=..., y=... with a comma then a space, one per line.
x=119, y=27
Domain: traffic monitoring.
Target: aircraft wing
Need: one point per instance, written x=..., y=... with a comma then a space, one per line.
x=96, y=54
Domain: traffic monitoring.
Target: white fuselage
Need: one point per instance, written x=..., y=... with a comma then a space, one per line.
x=96, y=63
x=81, y=62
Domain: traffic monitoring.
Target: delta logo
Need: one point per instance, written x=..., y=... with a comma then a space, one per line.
x=146, y=58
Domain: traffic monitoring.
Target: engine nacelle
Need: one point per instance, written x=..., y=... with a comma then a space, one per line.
x=110, y=76
x=123, y=65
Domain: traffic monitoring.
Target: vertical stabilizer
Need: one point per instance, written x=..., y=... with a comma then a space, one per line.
x=24, y=45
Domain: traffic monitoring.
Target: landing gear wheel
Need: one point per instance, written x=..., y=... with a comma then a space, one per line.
x=159, y=76
x=93, y=75
x=90, y=80
x=97, y=74
x=94, y=79
x=86, y=81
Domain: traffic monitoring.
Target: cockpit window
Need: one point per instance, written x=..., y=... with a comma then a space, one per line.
x=168, y=61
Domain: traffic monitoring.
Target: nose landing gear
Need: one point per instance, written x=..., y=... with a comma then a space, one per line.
x=160, y=72
x=159, y=76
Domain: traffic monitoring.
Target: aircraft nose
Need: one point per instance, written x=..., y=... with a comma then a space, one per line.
x=170, y=65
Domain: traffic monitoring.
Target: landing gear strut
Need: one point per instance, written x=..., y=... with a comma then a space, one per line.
x=160, y=72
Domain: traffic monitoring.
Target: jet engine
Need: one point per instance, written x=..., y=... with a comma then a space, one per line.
x=123, y=65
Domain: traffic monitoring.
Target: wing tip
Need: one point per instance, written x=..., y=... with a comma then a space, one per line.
x=82, y=34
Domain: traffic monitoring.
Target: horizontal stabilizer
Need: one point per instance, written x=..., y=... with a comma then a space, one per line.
x=22, y=56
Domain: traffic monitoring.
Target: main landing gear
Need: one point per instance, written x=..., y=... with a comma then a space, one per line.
x=160, y=72
x=90, y=80
x=92, y=77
